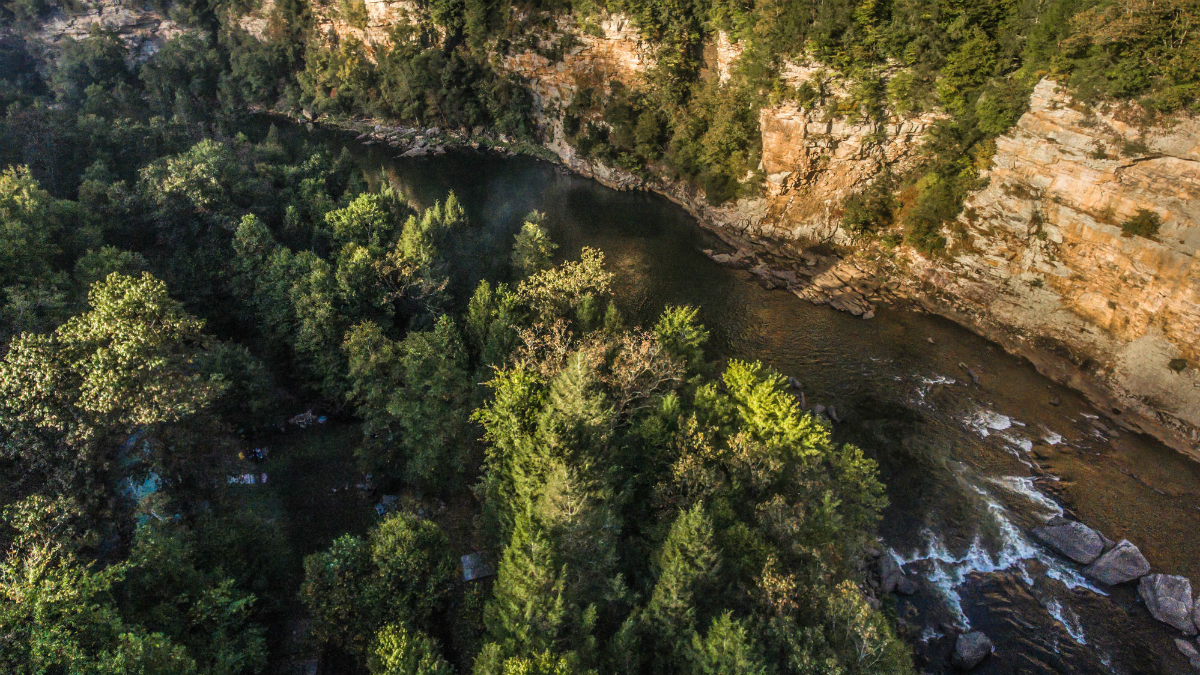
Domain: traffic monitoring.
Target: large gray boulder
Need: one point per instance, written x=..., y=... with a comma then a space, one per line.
x=1121, y=564
x=1073, y=540
x=1169, y=599
x=971, y=649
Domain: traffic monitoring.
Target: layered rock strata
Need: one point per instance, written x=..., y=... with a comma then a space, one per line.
x=1041, y=260
x=143, y=30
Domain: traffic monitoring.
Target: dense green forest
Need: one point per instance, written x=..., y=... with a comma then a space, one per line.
x=178, y=281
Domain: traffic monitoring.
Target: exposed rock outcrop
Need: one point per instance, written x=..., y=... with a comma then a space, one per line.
x=1072, y=539
x=1042, y=263
x=1188, y=649
x=1038, y=261
x=813, y=163
x=1169, y=599
x=143, y=30
x=1123, y=563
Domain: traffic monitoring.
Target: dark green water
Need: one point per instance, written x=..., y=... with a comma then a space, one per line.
x=969, y=469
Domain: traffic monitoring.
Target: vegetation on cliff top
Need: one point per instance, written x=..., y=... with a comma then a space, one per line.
x=975, y=61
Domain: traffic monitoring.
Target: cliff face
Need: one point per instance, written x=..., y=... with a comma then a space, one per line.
x=813, y=163
x=143, y=30
x=1040, y=262
x=1043, y=256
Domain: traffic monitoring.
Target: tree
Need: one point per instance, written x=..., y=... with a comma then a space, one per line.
x=532, y=250
x=28, y=228
x=57, y=613
x=680, y=334
x=401, y=574
x=686, y=564
x=414, y=567
x=726, y=649
x=127, y=366
x=413, y=396
x=368, y=220
x=558, y=291
x=340, y=594
x=165, y=590
x=400, y=651
x=421, y=236
x=97, y=61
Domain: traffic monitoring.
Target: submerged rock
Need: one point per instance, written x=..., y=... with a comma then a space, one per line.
x=1169, y=599
x=971, y=649
x=1073, y=540
x=1123, y=563
x=1189, y=650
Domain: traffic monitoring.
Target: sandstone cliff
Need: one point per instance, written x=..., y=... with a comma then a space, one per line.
x=1040, y=263
x=143, y=30
x=1042, y=255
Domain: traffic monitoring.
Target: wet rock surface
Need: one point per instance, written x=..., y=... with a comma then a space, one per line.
x=971, y=649
x=1122, y=564
x=1073, y=540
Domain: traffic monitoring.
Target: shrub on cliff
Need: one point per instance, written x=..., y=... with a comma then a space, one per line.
x=1144, y=223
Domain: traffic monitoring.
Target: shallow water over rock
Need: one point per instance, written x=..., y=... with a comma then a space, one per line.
x=970, y=469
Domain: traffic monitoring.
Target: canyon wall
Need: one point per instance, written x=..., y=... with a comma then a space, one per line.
x=143, y=30
x=1038, y=260
x=1041, y=255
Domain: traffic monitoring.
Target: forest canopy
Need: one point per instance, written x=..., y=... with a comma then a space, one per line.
x=179, y=279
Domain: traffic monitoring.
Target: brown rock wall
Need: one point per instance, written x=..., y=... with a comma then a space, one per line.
x=1045, y=258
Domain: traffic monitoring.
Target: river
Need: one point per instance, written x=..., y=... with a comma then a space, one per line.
x=969, y=469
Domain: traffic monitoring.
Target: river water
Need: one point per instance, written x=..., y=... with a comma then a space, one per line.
x=969, y=469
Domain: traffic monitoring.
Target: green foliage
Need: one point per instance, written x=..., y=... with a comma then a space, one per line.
x=414, y=399
x=96, y=62
x=1144, y=223
x=354, y=13
x=866, y=213
x=183, y=78
x=642, y=515
x=558, y=291
x=28, y=227
x=401, y=574
x=533, y=250
x=726, y=649
x=125, y=365
x=680, y=333
x=400, y=651
x=165, y=590
x=421, y=236
x=687, y=565
x=57, y=612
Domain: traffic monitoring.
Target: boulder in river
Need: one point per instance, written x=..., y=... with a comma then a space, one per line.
x=1123, y=563
x=1169, y=599
x=1072, y=539
x=891, y=577
x=971, y=649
